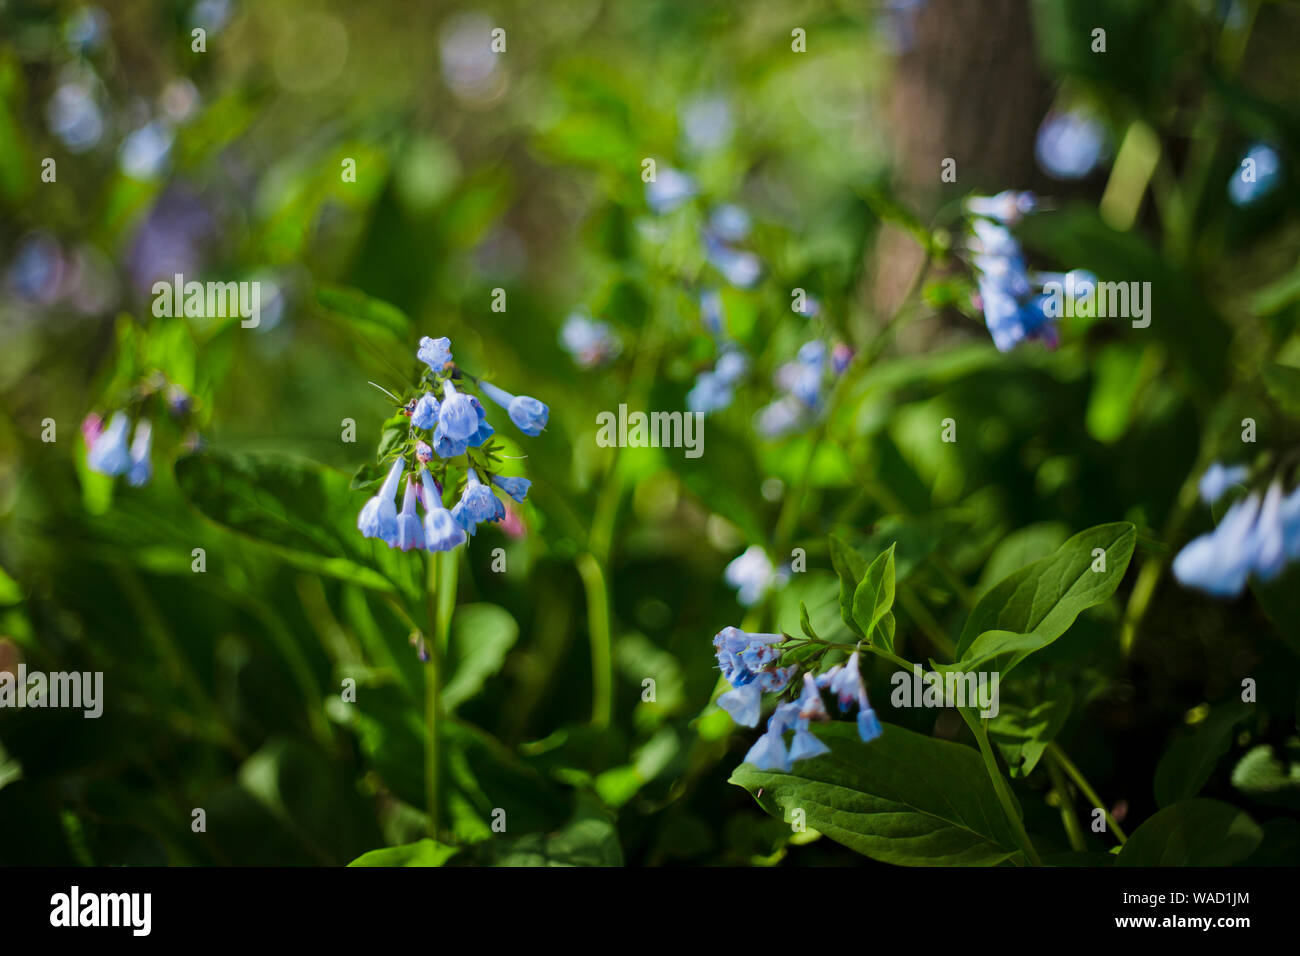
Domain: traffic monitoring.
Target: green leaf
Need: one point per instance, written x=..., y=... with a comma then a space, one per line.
x=588, y=839
x=303, y=511
x=1261, y=775
x=420, y=853
x=1023, y=735
x=874, y=597
x=1045, y=597
x=851, y=567
x=903, y=798
x=1188, y=763
x=481, y=636
x=804, y=624
x=1195, y=832
x=364, y=311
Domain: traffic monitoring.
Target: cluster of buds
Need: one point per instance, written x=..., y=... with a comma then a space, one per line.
x=447, y=436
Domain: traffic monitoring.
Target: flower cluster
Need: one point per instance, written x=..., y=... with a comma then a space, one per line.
x=802, y=383
x=448, y=428
x=1014, y=307
x=116, y=448
x=1258, y=535
x=750, y=663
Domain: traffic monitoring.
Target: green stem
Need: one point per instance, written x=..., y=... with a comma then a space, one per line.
x=1068, y=819
x=598, y=629
x=440, y=603
x=1000, y=786
x=1055, y=753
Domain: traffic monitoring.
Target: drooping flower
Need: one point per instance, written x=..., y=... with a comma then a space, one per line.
x=1007, y=207
x=410, y=532
x=1069, y=145
x=751, y=575
x=425, y=414
x=528, y=414
x=477, y=501
x=378, y=518
x=458, y=420
x=441, y=532
x=516, y=488
x=669, y=190
x=109, y=454
x=141, y=470
x=435, y=353
x=743, y=703
x=1219, y=478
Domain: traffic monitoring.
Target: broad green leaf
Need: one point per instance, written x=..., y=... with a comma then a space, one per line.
x=1195, y=832
x=589, y=838
x=1045, y=597
x=420, y=853
x=903, y=798
x=874, y=597
x=804, y=624
x=850, y=567
x=1262, y=775
x=1188, y=763
x=481, y=636
x=304, y=511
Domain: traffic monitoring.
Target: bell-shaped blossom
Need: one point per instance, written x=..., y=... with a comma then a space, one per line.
x=425, y=414
x=1219, y=478
x=410, y=531
x=378, y=518
x=528, y=414
x=141, y=471
x=109, y=455
x=457, y=417
x=441, y=533
x=435, y=353
x=516, y=488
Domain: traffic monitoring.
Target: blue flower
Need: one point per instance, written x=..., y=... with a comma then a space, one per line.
x=669, y=190
x=731, y=366
x=516, y=488
x=711, y=311
x=445, y=447
x=485, y=430
x=806, y=745
x=109, y=455
x=425, y=415
x=435, y=353
x=1265, y=173
x=1069, y=145
x=457, y=418
x=729, y=223
x=378, y=518
x=589, y=342
x=528, y=414
x=810, y=701
x=478, y=502
x=709, y=394
x=1220, y=562
x=1007, y=206
x=780, y=417
x=741, y=269
x=410, y=534
x=868, y=725
x=441, y=532
x=1218, y=479
x=768, y=753
x=141, y=470
x=743, y=704
x=751, y=575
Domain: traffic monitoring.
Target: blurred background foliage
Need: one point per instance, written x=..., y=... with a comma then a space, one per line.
x=522, y=171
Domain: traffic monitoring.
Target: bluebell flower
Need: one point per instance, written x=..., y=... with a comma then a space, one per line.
x=669, y=190
x=732, y=364
x=733, y=647
x=1220, y=562
x=457, y=417
x=1267, y=175
x=464, y=520
x=1012, y=311
x=477, y=500
x=751, y=575
x=410, y=533
x=441, y=533
x=729, y=223
x=768, y=753
x=1219, y=478
x=743, y=703
x=423, y=453
x=447, y=447
x=707, y=122
x=109, y=454
x=845, y=682
x=1007, y=207
x=141, y=470
x=780, y=417
x=708, y=394
x=868, y=725
x=485, y=429
x=528, y=414
x=841, y=358
x=435, y=353
x=711, y=311
x=740, y=268
x=378, y=518
x=1069, y=145
x=810, y=701
x=425, y=415
x=806, y=745
x=516, y=488
x=588, y=341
